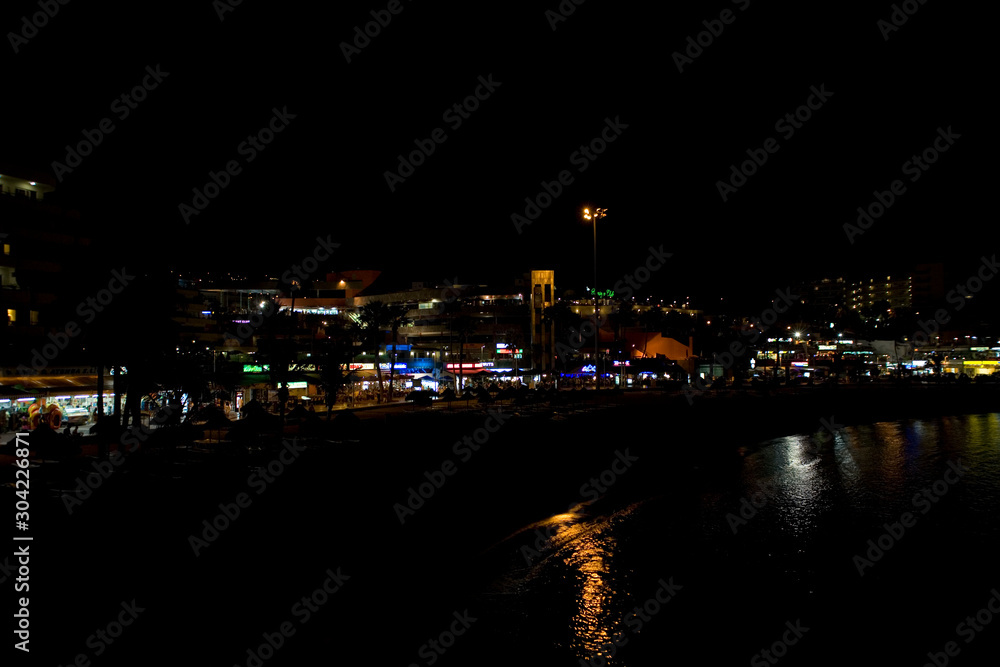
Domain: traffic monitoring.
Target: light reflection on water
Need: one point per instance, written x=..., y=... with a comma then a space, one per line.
x=826, y=491
x=589, y=557
x=580, y=555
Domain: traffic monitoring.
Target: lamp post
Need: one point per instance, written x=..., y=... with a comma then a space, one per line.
x=597, y=215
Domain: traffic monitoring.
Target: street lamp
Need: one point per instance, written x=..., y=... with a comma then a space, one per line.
x=597, y=215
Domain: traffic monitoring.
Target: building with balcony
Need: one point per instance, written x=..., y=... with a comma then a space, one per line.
x=42, y=246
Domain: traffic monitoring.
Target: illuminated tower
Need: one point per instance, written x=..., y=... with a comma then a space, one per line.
x=542, y=334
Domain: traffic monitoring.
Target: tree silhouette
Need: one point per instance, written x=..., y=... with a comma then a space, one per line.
x=397, y=318
x=336, y=351
x=462, y=326
x=373, y=319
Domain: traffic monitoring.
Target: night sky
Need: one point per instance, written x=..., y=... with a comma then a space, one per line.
x=553, y=91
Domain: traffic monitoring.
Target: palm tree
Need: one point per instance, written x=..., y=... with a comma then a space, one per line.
x=298, y=285
x=462, y=326
x=373, y=319
x=397, y=314
x=275, y=348
x=337, y=351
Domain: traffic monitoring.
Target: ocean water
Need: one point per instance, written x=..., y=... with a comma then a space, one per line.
x=871, y=545
x=557, y=542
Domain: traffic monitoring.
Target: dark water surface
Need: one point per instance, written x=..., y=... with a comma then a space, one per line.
x=789, y=559
x=453, y=585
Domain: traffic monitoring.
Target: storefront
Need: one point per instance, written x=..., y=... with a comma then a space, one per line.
x=974, y=367
x=55, y=399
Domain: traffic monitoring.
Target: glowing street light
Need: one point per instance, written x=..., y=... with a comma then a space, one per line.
x=597, y=215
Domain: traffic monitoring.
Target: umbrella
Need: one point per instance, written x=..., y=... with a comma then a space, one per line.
x=217, y=421
x=252, y=407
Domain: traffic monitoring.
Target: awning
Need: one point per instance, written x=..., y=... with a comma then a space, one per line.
x=71, y=384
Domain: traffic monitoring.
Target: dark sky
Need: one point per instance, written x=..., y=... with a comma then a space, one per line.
x=324, y=173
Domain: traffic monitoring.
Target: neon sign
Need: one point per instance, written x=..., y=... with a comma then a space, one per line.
x=603, y=294
x=590, y=368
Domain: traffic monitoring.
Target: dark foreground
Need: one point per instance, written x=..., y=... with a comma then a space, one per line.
x=319, y=549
